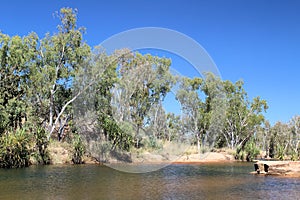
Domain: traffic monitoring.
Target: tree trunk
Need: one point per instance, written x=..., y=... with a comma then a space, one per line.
x=52, y=125
x=62, y=126
x=227, y=141
x=51, y=109
x=136, y=136
x=232, y=140
x=198, y=144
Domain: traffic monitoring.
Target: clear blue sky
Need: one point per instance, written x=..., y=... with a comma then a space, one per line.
x=257, y=41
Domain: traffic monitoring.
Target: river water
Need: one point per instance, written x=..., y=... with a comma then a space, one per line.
x=178, y=181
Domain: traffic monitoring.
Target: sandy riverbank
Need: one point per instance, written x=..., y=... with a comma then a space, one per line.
x=191, y=158
x=61, y=153
x=150, y=158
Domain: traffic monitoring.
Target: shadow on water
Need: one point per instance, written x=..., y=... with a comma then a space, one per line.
x=178, y=181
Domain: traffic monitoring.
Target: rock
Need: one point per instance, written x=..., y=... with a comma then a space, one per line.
x=281, y=168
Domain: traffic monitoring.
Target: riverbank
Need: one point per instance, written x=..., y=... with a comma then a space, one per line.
x=191, y=158
x=61, y=153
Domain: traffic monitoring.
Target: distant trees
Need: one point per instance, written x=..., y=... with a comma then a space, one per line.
x=242, y=116
x=144, y=81
x=225, y=116
x=45, y=83
x=283, y=140
x=190, y=102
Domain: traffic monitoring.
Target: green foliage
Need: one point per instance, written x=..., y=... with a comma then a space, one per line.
x=191, y=105
x=153, y=143
x=173, y=127
x=15, y=149
x=280, y=152
x=41, y=149
x=37, y=81
x=119, y=139
x=243, y=116
x=145, y=80
x=251, y=150
x=284, y=140
x=78, y=150
x=249, y=153
x=294, y=156
x=272, y=148
x=15, y=54
x=240, y=155
x=57, y=59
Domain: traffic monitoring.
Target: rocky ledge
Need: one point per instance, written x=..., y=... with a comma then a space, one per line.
x=279, y=168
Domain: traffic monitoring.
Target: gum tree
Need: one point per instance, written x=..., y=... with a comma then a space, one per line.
x=16, y=55
x=242, y=116
x=144, y=81
x=58, y=58
x=190, y=101
x=203, y=118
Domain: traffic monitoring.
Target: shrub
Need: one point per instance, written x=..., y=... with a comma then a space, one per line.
x=251, y=150
x=78, y=150
x=294, y=156
x=249, y=153
x=240, y=154
x=41, y=146
x=15, y=149
x=280, y=152
x=153, y=143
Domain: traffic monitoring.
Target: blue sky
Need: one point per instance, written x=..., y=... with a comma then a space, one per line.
x=257, y=41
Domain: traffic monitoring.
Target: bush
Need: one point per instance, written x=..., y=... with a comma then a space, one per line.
x=78, y=150
x=240, y=155
x=41, y=148
x=153, y=143
x=15, y=149
x=249, y=153
x=294, y=156
x=251, y=150
x=280, y=152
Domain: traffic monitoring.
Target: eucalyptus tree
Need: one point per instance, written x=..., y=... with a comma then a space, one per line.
x=188, y=96
x=58, y=58
x=263, y=136
x=174, y=128
x=16, y=55
x=103, y=90
x=16, y=142
x=213, y=110
x=144, y=81
x=284, y=139
x=279, y=138
x=205, y=118
x=294, y=139
x=242, y=116
x=158, y=121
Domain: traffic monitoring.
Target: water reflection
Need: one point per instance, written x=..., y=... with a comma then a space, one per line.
x=204, y=181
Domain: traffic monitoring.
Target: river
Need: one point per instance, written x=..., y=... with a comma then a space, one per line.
x=178, y=181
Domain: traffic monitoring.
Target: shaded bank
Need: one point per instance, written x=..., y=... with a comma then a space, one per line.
x=61, y=153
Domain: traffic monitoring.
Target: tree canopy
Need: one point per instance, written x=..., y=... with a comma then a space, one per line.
x=50, y=86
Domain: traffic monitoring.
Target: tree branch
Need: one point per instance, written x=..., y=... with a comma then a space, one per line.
x=66, y=105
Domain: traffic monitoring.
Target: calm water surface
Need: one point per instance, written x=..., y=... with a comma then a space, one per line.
x=202, y=181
